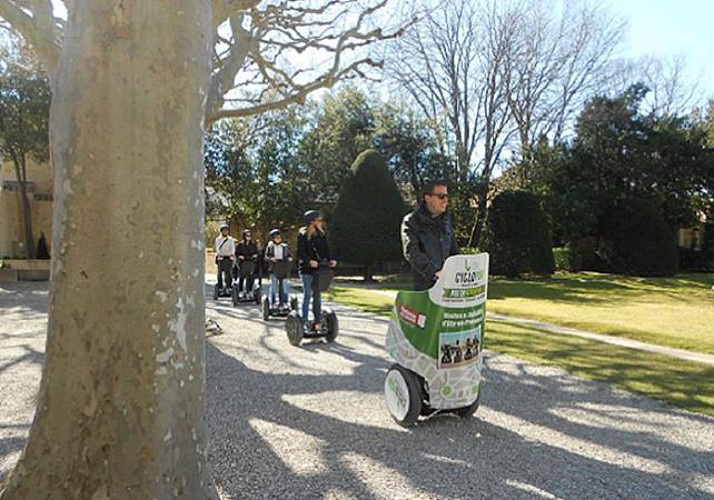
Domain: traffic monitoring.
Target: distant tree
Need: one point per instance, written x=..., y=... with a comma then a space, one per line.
x=518, y=236
x=635, y=239
x=24, y=132
x=411, y=148
x=341, y=129
x=365, y=225
x=253, y=172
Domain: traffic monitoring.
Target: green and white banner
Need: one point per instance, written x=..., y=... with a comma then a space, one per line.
x=439, y=333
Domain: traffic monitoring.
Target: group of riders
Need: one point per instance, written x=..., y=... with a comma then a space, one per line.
x=427, y=237
x=313, y=252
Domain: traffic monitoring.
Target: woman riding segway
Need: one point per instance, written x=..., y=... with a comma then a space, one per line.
x=315, y=266
x=279, y=259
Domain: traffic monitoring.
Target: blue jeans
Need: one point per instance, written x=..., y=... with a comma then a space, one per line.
x=307, y=294
x=274, y=286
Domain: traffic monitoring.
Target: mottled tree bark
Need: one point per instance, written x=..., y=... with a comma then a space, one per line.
x=120, y=411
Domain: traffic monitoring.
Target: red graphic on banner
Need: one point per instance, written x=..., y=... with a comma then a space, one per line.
x=411, y=316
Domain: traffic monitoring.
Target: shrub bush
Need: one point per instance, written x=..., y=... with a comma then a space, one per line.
x=636, y=240
x=518, y=236
x=566, y=259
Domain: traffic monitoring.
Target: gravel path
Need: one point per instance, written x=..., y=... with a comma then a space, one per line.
x=310, y=422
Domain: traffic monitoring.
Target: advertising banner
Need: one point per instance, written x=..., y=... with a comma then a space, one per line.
x=438, y=333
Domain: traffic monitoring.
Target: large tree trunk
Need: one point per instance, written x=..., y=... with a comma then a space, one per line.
x=120, y=411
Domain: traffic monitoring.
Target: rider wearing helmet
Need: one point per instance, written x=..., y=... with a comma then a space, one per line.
x=245, y=251
x=277, y=251
x=313, y=249
x=225, y=247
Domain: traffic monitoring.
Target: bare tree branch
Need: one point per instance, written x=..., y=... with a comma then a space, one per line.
x=291, y=49
x=33, y=20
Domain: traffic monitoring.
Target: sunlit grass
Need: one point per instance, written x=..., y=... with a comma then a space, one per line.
x=676, y=312
x=681, y=383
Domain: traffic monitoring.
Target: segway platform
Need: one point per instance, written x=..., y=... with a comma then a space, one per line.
x=328, y=328
x=436, y=337
x=280, y=310
x=245, y=270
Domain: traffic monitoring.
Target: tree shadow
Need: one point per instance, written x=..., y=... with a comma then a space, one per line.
x=316, y=432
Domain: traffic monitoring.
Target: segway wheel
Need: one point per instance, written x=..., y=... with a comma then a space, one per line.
x=265, y=306
x=234, y=295
x=293, y=327
x=293, y=303
x=215, y=292
x=257, y=293
x=468, y=411
x=333, y=326
x=401, y=390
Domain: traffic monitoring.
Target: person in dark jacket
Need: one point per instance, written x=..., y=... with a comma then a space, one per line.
x=246, y=250
x=428, y=237
x=313, y=249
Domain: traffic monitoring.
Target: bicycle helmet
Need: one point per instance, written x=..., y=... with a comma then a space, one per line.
x=273, y=233
x=311, y=215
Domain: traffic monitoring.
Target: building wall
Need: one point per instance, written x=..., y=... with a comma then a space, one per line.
x=11, y=223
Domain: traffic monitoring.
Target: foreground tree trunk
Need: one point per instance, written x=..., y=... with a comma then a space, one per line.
x=120, y=408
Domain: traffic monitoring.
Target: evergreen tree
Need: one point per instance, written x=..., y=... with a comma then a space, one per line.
x=365, y=226
x=518, y=236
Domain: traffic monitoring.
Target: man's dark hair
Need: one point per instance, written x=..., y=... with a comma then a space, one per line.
x=429, y=186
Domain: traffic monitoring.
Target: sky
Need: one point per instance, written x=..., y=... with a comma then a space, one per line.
x=667, y=28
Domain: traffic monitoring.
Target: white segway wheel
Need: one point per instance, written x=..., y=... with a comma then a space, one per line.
x=265, y=307
x=401, y=390
x=333, y=326
x=293, y=327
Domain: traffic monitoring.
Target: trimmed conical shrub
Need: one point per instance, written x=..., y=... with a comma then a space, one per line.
x=365, y=227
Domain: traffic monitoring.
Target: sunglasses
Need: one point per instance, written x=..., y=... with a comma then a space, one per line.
x=441, y=196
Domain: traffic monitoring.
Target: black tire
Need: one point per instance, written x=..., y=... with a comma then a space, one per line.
x=401, y=390
x=293, y=303
x=234, y=295
x=468, y=411
x=333, y=326
x=257, y=292
x=265, y=306
x=293, y=327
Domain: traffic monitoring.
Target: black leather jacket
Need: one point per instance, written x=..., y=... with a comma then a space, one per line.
x=427, y=241
x=316, y=248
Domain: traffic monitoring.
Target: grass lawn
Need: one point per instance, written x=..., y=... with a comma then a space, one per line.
x=681, y=383
x=675, y=312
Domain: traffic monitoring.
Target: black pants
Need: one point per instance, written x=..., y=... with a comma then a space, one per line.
x=225, y=264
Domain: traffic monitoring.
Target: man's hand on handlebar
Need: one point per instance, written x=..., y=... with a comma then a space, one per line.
x=333, y=263
x=314, y=264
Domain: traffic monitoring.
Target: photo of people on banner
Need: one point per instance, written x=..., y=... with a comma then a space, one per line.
x=459, y=348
